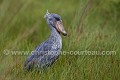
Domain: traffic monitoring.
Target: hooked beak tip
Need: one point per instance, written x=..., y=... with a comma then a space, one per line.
x=64, y=33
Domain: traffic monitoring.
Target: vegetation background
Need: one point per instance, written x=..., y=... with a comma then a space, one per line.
x=91, y=25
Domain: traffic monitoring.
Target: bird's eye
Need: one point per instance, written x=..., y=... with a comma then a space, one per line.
x=58, y=19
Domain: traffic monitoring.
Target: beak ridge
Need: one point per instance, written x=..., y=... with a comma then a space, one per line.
x=60, y=28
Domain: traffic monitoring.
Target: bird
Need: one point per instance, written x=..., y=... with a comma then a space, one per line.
x=47, y=52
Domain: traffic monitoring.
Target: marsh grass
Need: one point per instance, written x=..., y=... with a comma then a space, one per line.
x=91, y=25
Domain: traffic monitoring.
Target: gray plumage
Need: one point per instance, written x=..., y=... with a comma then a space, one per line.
x=47, y=52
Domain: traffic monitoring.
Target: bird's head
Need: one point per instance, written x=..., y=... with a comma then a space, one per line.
x=54, y=20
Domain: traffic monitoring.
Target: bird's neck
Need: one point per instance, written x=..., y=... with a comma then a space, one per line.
x=55, y=37
x=55, y=33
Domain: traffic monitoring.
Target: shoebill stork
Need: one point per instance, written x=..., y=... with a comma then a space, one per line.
x=46, y=53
